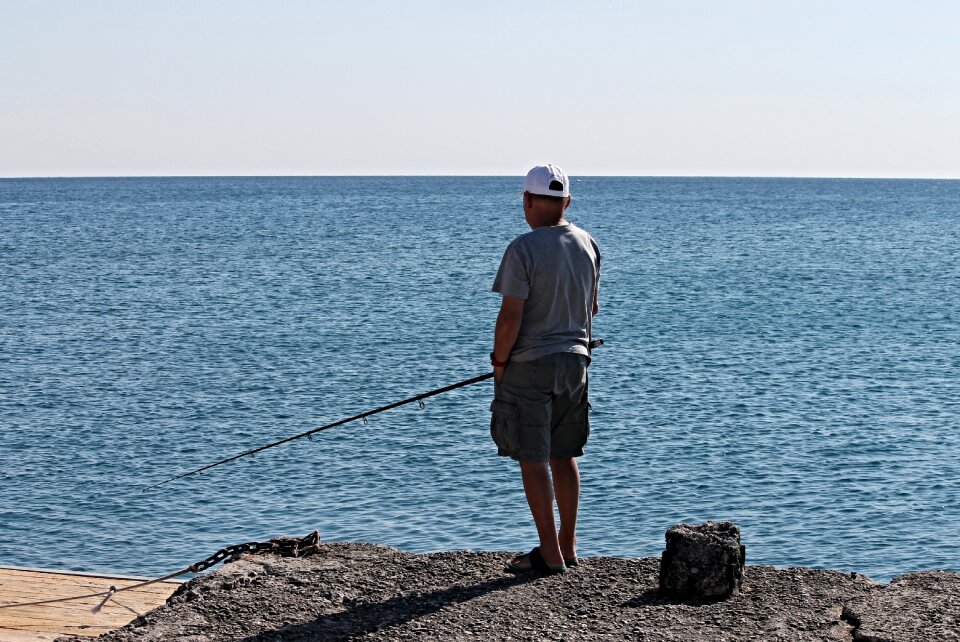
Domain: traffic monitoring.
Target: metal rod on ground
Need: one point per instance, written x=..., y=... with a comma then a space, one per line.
x=362, y=415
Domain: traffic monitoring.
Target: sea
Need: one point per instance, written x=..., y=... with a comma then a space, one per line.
x=781, y=353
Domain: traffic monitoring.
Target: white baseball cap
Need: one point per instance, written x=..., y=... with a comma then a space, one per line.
x=547, y=180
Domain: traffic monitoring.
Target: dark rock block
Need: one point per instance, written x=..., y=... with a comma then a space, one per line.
x=702, y=561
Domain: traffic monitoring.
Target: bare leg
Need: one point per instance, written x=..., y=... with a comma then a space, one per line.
x=566, y=485
x=539, y=491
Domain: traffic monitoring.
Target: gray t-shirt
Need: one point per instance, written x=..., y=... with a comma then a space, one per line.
x=556, y=270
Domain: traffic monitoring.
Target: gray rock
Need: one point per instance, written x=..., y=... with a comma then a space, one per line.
x=915, y=606
x=703, y=561
x=350, y=591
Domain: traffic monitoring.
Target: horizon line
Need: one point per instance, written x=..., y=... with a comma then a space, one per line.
x=740, y=176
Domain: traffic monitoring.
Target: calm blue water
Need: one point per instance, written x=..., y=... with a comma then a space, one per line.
x=781, y=353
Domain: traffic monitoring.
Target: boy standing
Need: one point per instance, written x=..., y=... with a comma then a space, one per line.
x=549, y=281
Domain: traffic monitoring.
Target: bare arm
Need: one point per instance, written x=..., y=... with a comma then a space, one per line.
x=505, y=334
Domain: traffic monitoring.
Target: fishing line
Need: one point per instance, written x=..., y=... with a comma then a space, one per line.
x=309, y=433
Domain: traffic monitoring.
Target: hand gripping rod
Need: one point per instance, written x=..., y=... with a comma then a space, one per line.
x=362, y=415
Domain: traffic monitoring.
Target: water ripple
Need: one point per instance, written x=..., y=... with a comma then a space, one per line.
x=782, y=353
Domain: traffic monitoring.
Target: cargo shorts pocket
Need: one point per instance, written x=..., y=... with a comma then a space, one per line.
x=586, y=424
x=505, y=427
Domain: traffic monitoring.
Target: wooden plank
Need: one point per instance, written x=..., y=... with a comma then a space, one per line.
x=109, y=614
x=20, y=595
x=60, y=628
x=24, y=592
x=117, y=602
x=47, y=571
x=131, y=598
x=48, y=581
x=9, y=600
x=13, y=635
x=46, y=621
x=67, y=589
x=49, y=577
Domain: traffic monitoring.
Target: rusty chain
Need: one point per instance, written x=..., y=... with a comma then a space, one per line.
x=282, y=546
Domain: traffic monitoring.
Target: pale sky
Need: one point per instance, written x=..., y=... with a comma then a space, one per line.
x=739, y=88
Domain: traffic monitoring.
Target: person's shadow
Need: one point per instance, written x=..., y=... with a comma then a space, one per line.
x=366, y=618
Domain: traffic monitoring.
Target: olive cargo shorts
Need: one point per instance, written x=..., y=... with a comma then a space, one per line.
x=540, y=408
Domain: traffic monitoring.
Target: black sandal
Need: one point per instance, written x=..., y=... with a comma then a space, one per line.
x=537, y=564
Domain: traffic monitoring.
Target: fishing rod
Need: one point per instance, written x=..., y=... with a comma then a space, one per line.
x=594, y=343
x=308, y=433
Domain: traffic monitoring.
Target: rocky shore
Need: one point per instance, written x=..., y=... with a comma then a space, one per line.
x=346, y=591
